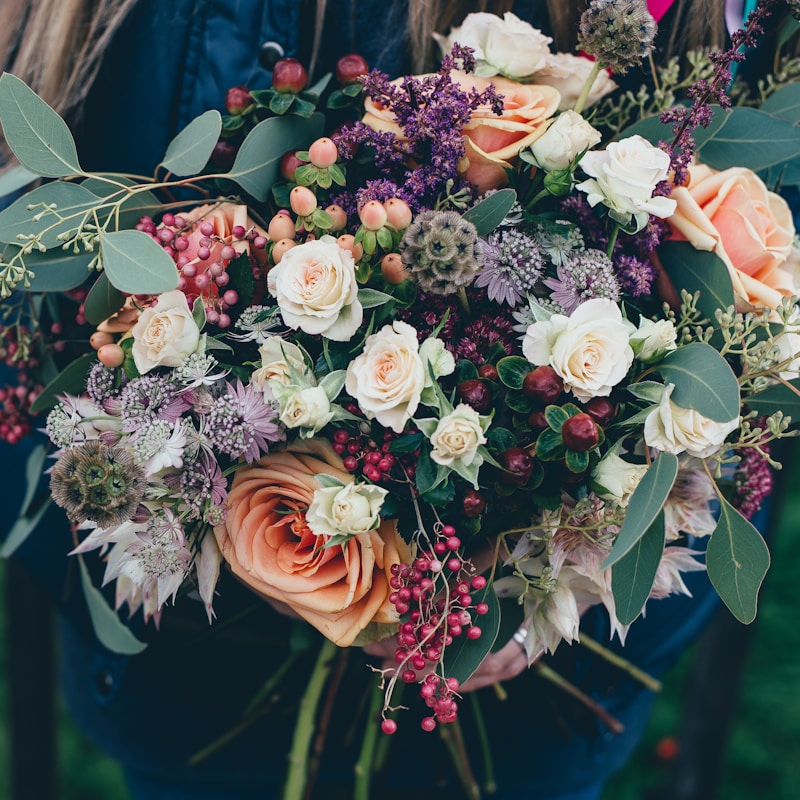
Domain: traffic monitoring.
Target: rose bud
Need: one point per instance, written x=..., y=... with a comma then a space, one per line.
x=543, y=384
x=474, y=392
x=580, y=433
x=518, y=465
x=350, y=68
x=289, y=75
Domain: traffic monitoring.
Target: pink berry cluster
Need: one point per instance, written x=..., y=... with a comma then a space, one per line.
x=18, y=352
x=363, y=455
x=433, y=596
x=15, y=411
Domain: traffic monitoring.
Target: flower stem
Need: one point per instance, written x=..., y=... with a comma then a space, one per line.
x=304, y=727
x=587, y=87
x=363, y=767
x=462, y=298
x=489, y=783
x=640, y=675
x=453, y=739
x=612, y=240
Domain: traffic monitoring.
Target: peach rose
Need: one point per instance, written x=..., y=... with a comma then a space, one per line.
x=493, y=142
x=269, y=546
x=750, y=228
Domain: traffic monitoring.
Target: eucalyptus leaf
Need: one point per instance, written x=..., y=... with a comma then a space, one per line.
x=737, y=559
x=465, y=655
x=190, y=150
x=703, y=381
x=71, y=380
x=132, y=208
x=644, y=506
x=29, y=513
x=23, y=527
x=489, y=213
x=102, y=301
x=57, y=270
x=633, y=575
x=72, y=201
x=256, y=166
x=328, y=481
x=15, y=179
x=778, y=397
x=370, y=298
x=785, y=103
x=109, y=629
x=136, y=264
x=36, y=134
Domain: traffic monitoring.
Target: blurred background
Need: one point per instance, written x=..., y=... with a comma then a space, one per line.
x=713, y=734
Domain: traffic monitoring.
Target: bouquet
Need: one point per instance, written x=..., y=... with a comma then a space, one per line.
x=470, y=346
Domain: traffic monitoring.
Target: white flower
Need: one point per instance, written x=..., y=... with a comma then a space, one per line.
x=623, y=177
x=345, y=510
x=669, y=579
x=458, y=436
x=315, y=286
x=787, y=347
x=304, y=408
x=388, y=377
x=508, y=46
x=688, y=507
x=673, y=429
x=567, y=137
x=617, y=477
x=589, y=350
x=651, y=341
x=165, y=334
x=568, y=73
x=437, y=359
x=279, y=359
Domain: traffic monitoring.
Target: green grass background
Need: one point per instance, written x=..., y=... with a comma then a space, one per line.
x=763, y=756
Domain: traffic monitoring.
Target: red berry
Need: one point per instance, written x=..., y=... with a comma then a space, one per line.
x=580, y=433
x=543, y=384
x=288, y=165
x=474, y=392
x=237, y=100
x=289, y=75
x=350, y=68
x=428, y=724
x=537, y=419
x=488, y=372
x=601, y=410
x=473, y=632
x=223, y=155
x=667, y=748
x=389, y=726
x=472, y=503
x=518, y=465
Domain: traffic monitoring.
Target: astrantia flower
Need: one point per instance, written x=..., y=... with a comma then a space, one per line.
x=149, y=398
x=101, y=383
x=257, y=322
x=96, y=482
x=159, y=445
x=203, y=487
x=242, y=423
x=583, y=276
x=78, y=419
x=442, y=251
x=618, y=33
x=512, y=264
x=198, y=370
x=558, y=240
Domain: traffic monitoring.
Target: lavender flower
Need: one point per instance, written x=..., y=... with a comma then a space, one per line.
x=635, y=276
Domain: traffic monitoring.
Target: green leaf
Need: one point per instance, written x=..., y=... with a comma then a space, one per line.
x=512, y=370
x=190, y=150
x=645, y=504
x=27, y=521
x=36, y=134
x=465, y=655
x=24, y=526
x=240, y=272
x=703, y=381
x=785, y=103
x=737, y=559
x=370, y=298
x=303, y=108
x=779, y=397
x=576, y=462
x=14, y=179
x=132, y=208
x=499, y=439
x=102, y=301
x=333, y=383
x=489, y=213
x=633, y=575
x=701, y=270
x=199, y=312
x=556, y=416
x=520, y=403
x=406, y=444
x=281, y=102
x=71, y=380
x=257, y=163
x=328, y=481
x=428, y=474
x=72, y=201
x=549, y=445
x=57, y=270
x=108, y=627
x=137, y=264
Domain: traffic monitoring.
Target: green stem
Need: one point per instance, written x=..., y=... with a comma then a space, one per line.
x=489, y=783
x=640, y=675
x=304, y=727
x=270, y=683
x=462, y=298
x=612, y=240
x=363, y=767
x=384, y=742
x=451, y=736
x=587, y=87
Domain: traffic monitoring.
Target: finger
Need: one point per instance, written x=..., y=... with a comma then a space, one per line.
x=507, y=663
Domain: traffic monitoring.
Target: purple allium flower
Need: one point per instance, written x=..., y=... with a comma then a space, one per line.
x=149, y=398
x=583, y=276
x=512, y=264
x=101, y=383
x=242, y=422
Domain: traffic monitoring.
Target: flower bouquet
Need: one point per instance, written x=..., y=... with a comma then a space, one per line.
x=477, y=352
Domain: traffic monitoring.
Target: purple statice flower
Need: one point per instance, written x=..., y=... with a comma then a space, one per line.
x=512, y=264
x=583, y=276
x=242, y=423
x=149, y=398
x=635, y=276
x=753, y=480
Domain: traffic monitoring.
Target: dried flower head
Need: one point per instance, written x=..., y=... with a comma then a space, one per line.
x=96, y=482
x=442, y=251
x=618, y=33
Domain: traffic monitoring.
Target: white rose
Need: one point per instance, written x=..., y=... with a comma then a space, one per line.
x=568, y=136
x=589, y=350
x=388, y=377
x=508, y=46
x=458, y=436
x=315, y=286
x=345, y=510
x=304, y=408
x=568, y=73
x=618, y=477
x=787, y=347
x=278, y=359
x=651, y=341
x=623, y=177
x=673, y=429
x=437, y=359
x=165, y=334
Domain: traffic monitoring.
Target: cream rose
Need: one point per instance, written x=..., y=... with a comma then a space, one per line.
x=315, y=286
x=345, y=510
x=437, y=359
x=673, y=429
x=617, y=477
x=750, y=228
x=304, y=408
x=279, y=359
x=589, y=350
x=568, y=73
x=651, y=341
x=457, y=437
x=165, y=334
x=623, y=178
x=566, y=137
x=508, y=46
x=387, y=378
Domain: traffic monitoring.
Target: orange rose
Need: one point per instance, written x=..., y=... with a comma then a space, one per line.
x=492, y=141
x=750, y=228
x=269, y=546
